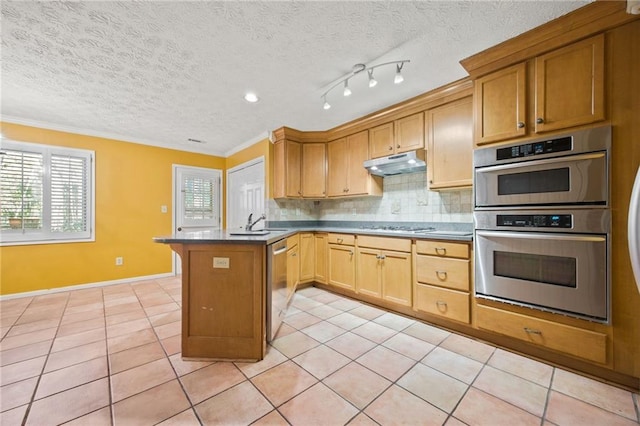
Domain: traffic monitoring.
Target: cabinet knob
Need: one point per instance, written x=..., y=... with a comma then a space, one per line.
x=539, y=120
x=398, y=146
x=390, y=147
x=520, y=124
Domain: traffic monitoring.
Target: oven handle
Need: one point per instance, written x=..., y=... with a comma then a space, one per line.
x=573, y=158
x=540, y=236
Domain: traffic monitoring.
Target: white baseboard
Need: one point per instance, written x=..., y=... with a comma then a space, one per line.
x=83, y=286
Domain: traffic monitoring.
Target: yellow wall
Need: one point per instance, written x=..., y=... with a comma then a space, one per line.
x=132, y=182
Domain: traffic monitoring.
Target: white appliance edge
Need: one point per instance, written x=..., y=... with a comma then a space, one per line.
x=634, y=229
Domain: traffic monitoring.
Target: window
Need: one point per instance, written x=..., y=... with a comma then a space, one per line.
x=46, y=194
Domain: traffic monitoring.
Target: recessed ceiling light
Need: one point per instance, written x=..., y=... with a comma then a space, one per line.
x=251, y=97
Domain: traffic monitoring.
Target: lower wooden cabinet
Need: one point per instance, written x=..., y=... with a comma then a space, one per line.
x=382, y=271
x=321, y=252
x=293, y=265
x=342, y=264
x=307, y=257
x=442, y=279
x=587, y=344
x=443, y=302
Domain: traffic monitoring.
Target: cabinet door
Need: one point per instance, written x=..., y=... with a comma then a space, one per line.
x=279, y=188
x=570, y=85
x=369, y=272
x=381, y=140
x=342, y=270
x=396, y=277
x=338, y=161
x=360, y=181
x=314, y=170
x=321, y=254
x=409, y=133
x=307, y=258
x=293, y=156
x=499, y=102
x=293, y=270
x=450, y=145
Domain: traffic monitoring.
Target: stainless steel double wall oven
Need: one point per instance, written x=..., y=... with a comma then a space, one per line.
x=542, y=219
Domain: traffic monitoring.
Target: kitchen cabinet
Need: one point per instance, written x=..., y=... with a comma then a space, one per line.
x=566, y=90
x=402, y=135
x=442, y=279
x=384, y=268
x=342, y=265
x=346, y=173
x=293, y=265
x=581, y=343
x=314, y=170
x=307, y=256
x=321, y=241
x=449, y=130
x=286, y=165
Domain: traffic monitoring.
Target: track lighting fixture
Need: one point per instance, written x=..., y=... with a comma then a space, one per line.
x=372, y=81
x=357, y=69
x=347, y=91
x=398, y=78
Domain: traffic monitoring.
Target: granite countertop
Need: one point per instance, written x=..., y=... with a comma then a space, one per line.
x=278, y=230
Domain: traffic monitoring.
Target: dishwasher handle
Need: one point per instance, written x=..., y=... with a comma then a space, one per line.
x=279, y=247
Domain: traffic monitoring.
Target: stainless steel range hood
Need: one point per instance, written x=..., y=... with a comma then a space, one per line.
x=406, y=162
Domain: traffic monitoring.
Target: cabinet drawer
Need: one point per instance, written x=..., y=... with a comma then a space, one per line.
x=293, y=241
x=441, y=248
x=385, y=243
x=450, y=304
x=581, y=343
x=444, y=272
x=344, y=239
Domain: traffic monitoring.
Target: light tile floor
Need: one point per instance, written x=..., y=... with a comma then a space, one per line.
x=111, y=355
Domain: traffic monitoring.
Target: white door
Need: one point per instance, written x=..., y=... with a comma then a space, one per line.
x=245, y=194
x=196, y=201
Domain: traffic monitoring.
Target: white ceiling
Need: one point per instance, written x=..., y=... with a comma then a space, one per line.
x=160, y=73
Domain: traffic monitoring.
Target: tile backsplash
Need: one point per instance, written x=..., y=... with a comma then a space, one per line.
x=405, y=199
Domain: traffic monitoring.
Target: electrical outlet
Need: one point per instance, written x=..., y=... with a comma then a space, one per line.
x=119, y=261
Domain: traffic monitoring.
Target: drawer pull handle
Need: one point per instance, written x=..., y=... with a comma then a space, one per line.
x=442, y=275
x=441, y=303
x=441, y=250
x=532, y=331
x=340, y=240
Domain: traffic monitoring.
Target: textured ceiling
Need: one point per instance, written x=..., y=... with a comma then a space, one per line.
x=161, y=73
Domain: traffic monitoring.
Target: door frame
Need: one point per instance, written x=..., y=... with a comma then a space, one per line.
x=244, y=165
x=176, y=266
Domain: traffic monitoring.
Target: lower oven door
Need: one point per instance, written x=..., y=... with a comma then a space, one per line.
x=566, y=273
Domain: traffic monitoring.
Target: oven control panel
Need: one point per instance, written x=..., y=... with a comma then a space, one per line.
x=536, y=148
x=535, y=220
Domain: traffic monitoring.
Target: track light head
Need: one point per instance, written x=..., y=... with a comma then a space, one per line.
x=372, y=81
x=346, y=91
x=398, y=78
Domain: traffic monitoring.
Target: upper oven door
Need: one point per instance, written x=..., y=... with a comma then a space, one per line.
x=570, y=180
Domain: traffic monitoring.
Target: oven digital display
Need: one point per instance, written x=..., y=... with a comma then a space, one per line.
x=536, y=148
x=535, y=221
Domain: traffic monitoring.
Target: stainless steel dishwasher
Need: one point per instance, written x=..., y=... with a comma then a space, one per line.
x=276, y=286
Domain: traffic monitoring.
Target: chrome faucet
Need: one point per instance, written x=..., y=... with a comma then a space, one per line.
x=249, y=226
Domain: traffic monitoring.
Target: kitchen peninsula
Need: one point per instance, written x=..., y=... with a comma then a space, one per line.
x=224, y=283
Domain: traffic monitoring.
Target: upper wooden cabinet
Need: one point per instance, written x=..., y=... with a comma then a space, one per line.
x=570, y=85
x=449, y=130
x=402, y=135
x=314, y=170
x=566, y=89
x=347, y=175
x=286, y=169
x=500, y=105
